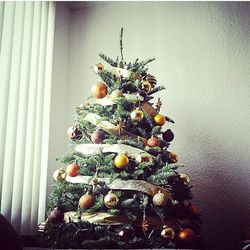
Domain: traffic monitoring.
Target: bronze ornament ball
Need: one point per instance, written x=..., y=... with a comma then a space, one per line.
x=187, y=236
x=86, y=201
x=97, y=137
x=56, y=215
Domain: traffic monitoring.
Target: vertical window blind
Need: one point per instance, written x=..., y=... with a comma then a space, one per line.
x=26, y=53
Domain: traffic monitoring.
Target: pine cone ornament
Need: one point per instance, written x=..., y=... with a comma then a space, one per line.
x=146, y=86
x=151, y=79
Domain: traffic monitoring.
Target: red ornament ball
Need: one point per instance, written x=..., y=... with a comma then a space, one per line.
x=99, y=90
x=56, y=216
x=97, y=137
x=72, y=169
x=153, y=142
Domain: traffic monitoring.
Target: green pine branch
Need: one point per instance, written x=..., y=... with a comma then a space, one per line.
x=156, y=89
x=108, y=60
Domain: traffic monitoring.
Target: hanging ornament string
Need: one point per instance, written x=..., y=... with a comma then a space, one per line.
x=145, y=224
x=95, y=179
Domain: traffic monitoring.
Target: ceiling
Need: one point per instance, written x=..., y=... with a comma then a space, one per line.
x=75, y=5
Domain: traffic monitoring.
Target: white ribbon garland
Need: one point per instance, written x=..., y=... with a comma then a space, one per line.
x=96, y=218
x=119, y=184
x=97, y=121
x=108, y=101
x=90, y=149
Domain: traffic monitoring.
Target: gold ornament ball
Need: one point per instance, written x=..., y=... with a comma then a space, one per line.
x=98, y=68
x=160, y=199
x=146, y=86
x=160, y=119
x=136, y=115
x=167, y=233
x=144, y=157
x=111, y=200
x=115, y=94
x=59, y=174
x=185, y=178
x=86, y=201
x=121, y=161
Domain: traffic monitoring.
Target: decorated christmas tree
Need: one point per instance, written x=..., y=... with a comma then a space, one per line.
x=119, y=187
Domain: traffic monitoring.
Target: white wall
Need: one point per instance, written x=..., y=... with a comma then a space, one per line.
x=203, y=56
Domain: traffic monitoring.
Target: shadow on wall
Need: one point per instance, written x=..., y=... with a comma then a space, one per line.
x=225, y=197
